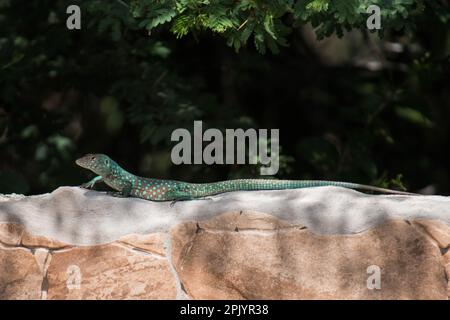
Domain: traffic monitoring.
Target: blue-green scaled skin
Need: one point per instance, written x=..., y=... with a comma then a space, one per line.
x=130, y=185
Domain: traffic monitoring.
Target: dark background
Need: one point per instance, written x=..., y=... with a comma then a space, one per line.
x=358, y=108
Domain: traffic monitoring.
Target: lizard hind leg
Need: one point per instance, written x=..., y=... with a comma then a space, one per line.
x=173, y=202
x=182, y=195
x=125, y=193
x=116, y=194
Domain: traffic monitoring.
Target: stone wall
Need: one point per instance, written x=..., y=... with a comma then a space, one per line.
x=320, y=243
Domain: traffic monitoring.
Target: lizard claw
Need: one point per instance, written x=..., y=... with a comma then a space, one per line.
x=175, y=201
x=172, y=203
x=87, y=185
x=90, y=184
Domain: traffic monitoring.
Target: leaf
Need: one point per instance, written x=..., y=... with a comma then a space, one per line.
x=181, y=26
x=414, y=116
x=269, y=25
x=247, y=31
x=161, y=16
x=346, y=10
x=259, y=42
x=160, y=50
x=318, y=5
x=114, y=119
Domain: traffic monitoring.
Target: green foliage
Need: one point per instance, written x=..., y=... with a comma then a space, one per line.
x=111, y=87
x=270, y=21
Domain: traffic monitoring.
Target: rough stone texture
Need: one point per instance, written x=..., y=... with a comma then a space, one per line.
x=109, y=272
x=293, y=263
x=437, y=230
x=293, y=244
x=138, y=269
x=241, y=221
x=84, y=217
x=30, y=241
x=153, y=243
x=10, y=234
x=20, y=275
x=447, y=270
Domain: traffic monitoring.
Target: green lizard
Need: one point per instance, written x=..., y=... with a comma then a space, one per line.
x=130, y=185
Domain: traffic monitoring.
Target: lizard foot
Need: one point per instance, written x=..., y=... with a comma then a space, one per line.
x=116, y=194
x=189, y=198
x=87, y=185
x=90, y=184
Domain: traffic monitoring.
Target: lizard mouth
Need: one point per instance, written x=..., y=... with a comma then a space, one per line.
x=87, y=161
x=80, y=162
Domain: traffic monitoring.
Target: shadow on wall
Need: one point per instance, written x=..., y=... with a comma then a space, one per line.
x=289, y=262
x=293, y=263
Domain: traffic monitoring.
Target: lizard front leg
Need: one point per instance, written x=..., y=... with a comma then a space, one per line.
x=90, y=184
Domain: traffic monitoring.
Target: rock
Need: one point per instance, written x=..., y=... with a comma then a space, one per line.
x=10, y=234
x=43, y=258
x=153, y=243
x=293, y=263
x=109, y=272
x=78, y=216
x=31, y=241
x=244, y=220
x=447, y=270
x=317, y=243
x=20, y=275
x=438, y=230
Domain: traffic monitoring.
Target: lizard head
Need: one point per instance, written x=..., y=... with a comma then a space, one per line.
x=98, y=163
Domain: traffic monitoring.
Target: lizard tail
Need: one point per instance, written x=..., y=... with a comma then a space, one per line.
x=349, y=185
x=270, y=184
x=382, y=190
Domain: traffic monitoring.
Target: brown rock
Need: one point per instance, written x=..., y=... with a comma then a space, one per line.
x=447, y=270
x=153, y=243
x=32, y=241
x=109, y=272
x=292, y=263
x=20, y=276
x=10, y=234
x=438, y=230
x=243, y=220
x=43, y=258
